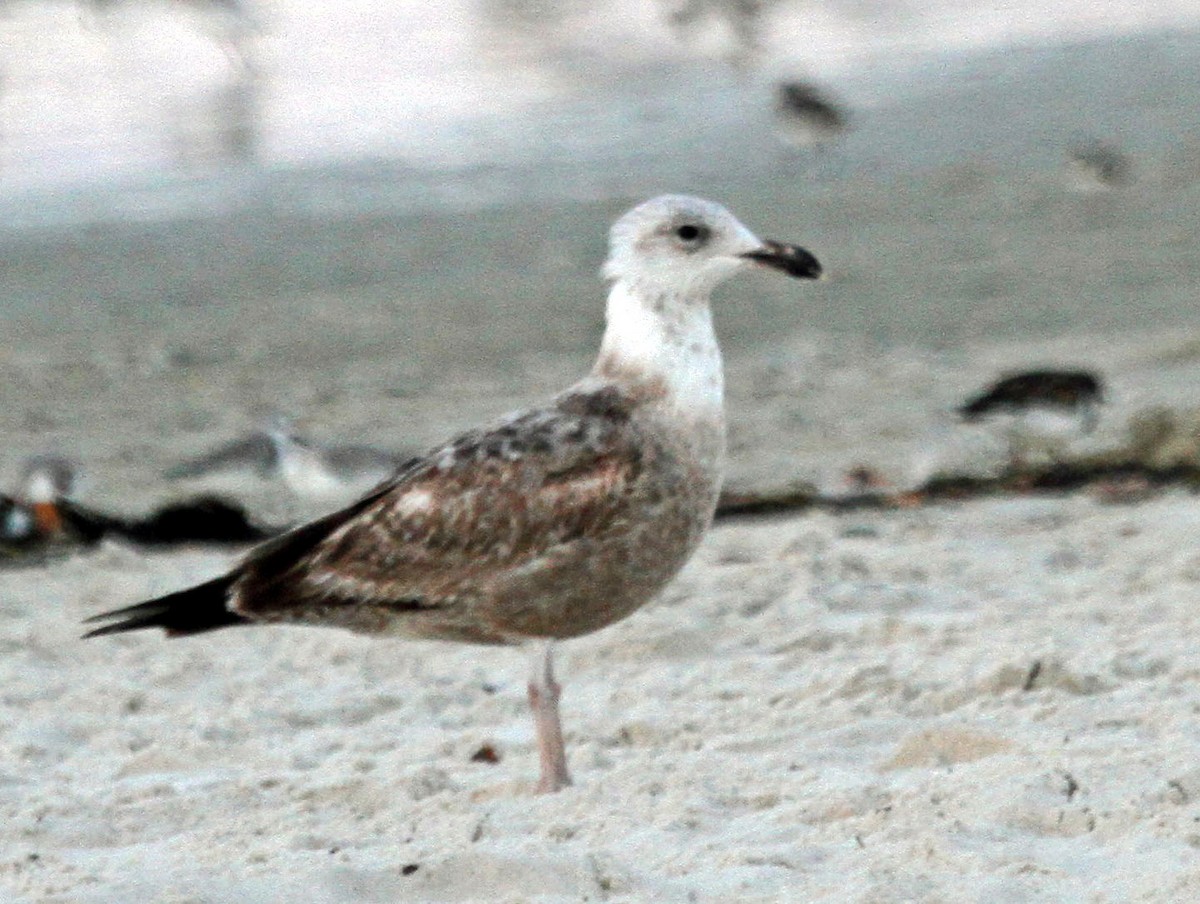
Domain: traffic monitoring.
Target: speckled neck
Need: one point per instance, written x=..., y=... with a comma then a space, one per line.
x=664, y=341
x=662, y=351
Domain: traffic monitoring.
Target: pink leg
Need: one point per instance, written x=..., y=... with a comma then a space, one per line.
x=543, y=701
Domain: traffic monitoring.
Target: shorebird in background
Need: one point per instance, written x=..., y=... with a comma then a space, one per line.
x=232, y=25
x=313, y=472
x=328, y=473
x=548, y=523
x=34, y=513
x=740, y=20
x=806, y=117
x=1098, y=166
x=1039, y=412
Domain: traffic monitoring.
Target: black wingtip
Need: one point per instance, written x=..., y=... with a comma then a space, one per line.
x=191, y=611
x=115, y=628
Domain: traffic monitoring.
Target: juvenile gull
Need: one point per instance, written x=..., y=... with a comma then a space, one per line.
x=549, y=523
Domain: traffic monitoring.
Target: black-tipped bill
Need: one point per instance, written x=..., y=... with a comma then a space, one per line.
x=791, y=259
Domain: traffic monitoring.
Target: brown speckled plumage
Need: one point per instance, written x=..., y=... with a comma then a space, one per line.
x=547, y=524
x=550, y=524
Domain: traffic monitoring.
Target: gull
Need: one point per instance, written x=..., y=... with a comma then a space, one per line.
x=1039, y=412
x=549, y=523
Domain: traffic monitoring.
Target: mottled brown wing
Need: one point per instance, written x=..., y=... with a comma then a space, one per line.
x=491, y=501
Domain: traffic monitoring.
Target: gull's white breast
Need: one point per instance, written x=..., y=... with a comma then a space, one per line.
x=671, y=340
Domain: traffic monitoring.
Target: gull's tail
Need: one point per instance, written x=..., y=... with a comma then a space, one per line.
x=191, y=611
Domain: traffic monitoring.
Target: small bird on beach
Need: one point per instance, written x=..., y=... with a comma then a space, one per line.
x=331, y=472
x=806, y=117
x=546, y=524
x=1095, y=165
x=34, y=514
x=311, y=471
x=1039, y=412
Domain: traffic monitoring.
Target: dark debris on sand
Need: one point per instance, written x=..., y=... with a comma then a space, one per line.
x=206, y=520
x=211, y=520
x=1119, y=482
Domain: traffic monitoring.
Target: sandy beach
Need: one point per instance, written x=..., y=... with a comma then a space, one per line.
x=992, y=701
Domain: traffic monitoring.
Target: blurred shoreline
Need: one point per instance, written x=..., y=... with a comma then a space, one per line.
x=483, y=111
x=394, y=303
x=949, y=127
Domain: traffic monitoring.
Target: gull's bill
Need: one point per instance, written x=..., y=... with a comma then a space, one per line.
x=791, y=259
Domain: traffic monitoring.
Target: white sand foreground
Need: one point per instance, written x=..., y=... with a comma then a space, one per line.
x=995, y=701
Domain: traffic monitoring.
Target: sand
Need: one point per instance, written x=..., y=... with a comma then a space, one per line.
x=993, y=701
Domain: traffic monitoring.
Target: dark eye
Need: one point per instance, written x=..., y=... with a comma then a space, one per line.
x=688, y=232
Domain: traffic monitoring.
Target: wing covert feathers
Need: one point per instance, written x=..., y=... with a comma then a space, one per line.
x=492, y=501
x=437, y=540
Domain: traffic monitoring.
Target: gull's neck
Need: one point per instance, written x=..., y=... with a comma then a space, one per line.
x=662, y=346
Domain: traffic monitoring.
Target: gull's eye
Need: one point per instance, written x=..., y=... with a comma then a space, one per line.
x=691, y=234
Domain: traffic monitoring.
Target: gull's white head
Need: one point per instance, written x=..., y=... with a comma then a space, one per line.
x=677, y=244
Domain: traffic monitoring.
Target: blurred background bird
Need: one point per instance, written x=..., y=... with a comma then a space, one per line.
x=33, y=513
x=1096, y=165
x=1038, y=412
x=806, y=116
x=314, y=473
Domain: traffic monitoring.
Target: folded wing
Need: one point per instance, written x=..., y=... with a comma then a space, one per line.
x=451, y=523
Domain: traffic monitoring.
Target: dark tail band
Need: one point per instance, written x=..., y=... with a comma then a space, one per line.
x=191, y=611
